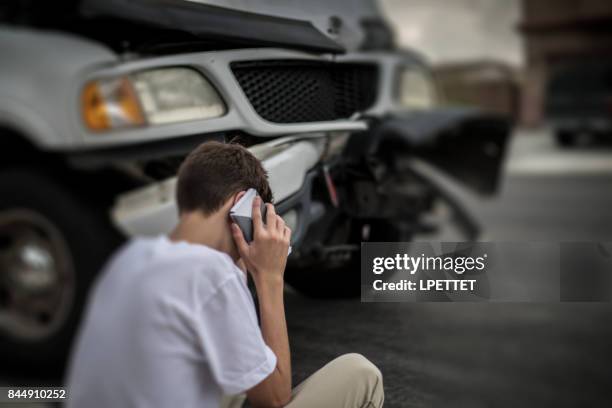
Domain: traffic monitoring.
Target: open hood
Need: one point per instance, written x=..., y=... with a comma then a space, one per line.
x=159, y=23
x=208, y=21
x=320, y=26
x=355, y=24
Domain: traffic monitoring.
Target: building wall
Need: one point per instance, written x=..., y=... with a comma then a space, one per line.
x=556, y=31
x=489, y=85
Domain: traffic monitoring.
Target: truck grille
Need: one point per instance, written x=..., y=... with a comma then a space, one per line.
x=290, y=91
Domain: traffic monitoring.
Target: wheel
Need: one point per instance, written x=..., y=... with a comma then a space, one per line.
x=565, y=138
x=338, y=275
x=319, y=280
x=52, y=244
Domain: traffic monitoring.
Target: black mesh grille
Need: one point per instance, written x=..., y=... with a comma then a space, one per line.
x=306, y=91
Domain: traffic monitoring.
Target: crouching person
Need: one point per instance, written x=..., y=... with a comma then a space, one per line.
x=171, y=322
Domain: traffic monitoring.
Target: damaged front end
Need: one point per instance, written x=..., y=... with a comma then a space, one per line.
x=392, y=181
x=466, y=144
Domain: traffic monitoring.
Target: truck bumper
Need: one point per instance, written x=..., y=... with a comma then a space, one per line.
x=152, y=210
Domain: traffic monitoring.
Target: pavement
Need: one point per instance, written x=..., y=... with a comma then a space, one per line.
x=487, y=354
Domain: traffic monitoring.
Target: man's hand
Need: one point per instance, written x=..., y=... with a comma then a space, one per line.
x=266, y=256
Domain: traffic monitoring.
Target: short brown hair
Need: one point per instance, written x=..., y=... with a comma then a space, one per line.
x=213, y=172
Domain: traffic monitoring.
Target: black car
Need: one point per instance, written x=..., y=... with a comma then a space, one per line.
x=579, y=99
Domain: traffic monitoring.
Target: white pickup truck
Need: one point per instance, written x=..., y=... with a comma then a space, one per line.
x=100, y=100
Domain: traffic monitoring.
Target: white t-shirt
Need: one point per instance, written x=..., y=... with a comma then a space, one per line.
x=168, y=325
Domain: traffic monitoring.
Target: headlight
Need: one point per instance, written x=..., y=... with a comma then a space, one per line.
x=416, y=89
x=158, y=96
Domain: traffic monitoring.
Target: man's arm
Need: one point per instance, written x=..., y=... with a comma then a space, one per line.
x=266, y=258
x=275, y=390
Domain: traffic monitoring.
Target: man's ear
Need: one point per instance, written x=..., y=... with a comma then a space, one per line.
x=237, y=197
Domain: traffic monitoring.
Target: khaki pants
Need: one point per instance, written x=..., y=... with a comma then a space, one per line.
x=349, y=381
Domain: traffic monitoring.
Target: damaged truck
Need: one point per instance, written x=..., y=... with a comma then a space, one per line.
x=100, y=100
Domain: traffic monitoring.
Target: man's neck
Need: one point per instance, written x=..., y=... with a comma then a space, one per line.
x=197, y=228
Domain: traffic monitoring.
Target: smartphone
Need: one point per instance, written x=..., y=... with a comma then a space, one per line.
x=242, y=214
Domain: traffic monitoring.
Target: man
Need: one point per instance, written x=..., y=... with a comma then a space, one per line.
x=171, y=322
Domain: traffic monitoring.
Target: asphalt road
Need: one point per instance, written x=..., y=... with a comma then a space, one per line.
x=489, y=355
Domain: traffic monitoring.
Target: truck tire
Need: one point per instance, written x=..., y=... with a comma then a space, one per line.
x=328, y=279
x=52, y=244
x=565, y=138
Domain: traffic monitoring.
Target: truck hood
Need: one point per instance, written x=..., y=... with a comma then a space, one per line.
x=320, y=26
x=242, y=23
x=355, y=24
